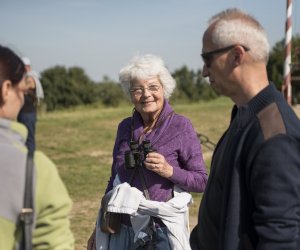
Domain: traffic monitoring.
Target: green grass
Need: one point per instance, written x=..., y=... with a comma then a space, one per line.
x=80, y=142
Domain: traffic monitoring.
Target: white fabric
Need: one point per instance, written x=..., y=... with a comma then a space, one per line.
x=174, y=213
x=38, y=85
x=102, y=239
x=26, y=61
x=125, y=199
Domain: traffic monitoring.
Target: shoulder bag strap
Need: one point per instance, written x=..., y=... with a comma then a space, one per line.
x=27, y=211
x=143, y=180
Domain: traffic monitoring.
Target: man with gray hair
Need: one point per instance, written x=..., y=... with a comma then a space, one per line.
x=252, y=199
x=28, y=113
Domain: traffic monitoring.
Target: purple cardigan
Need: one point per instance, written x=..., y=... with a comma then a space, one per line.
x=175, y=138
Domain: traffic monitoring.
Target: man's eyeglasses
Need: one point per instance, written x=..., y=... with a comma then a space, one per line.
x=139, y=90
x=208, y=56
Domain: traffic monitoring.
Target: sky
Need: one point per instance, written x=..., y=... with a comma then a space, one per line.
x=101, y=36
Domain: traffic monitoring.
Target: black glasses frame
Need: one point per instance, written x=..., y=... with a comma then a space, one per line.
x=207, y=56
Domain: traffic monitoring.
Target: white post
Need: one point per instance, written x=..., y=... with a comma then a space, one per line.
x=287, y=87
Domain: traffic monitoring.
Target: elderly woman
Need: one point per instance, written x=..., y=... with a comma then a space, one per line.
x=175, y=157
x=52, y=204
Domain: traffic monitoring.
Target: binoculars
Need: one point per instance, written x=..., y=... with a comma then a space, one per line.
x=135, y=156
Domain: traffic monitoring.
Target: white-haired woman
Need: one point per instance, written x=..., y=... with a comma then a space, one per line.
x=176, y=158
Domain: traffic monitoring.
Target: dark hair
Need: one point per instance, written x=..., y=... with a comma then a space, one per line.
x=11, y=68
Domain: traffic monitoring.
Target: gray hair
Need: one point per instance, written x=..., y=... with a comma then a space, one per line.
x=143, y=68
x=233, y=26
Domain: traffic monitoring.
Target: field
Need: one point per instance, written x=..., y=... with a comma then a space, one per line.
x=80, y=142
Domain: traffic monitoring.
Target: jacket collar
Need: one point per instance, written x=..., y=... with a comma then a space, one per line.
x=246, y=113
x=161, y=124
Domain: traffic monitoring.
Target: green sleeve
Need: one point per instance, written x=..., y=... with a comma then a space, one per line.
x=52, y=208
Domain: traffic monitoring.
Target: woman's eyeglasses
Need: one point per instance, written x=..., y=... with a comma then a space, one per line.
x=139, y=90
x=208, y=56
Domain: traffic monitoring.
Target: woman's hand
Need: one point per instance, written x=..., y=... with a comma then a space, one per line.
x=158, y=164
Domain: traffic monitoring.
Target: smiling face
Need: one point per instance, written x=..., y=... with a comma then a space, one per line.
x=147, y=97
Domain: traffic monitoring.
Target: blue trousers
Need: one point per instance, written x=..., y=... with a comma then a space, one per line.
x=29, y=120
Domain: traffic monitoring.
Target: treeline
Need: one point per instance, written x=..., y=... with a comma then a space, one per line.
x=67, y=87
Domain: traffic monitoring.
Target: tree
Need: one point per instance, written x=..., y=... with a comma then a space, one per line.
x=65, y=88
x=53, y=81
x=191, y=86
x=277, y=58
x=186, y=88
x=205, y=91
x=82, y=86
x=110, y=93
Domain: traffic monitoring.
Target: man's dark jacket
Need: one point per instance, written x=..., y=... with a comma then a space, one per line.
x=260, y=206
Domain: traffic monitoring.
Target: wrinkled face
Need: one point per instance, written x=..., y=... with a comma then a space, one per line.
x=13, y=99
x=147, y=96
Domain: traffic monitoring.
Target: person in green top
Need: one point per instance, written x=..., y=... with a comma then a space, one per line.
x=52, y=204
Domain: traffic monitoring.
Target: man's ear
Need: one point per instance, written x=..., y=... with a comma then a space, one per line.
x=238, y=55
x=6, y=87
